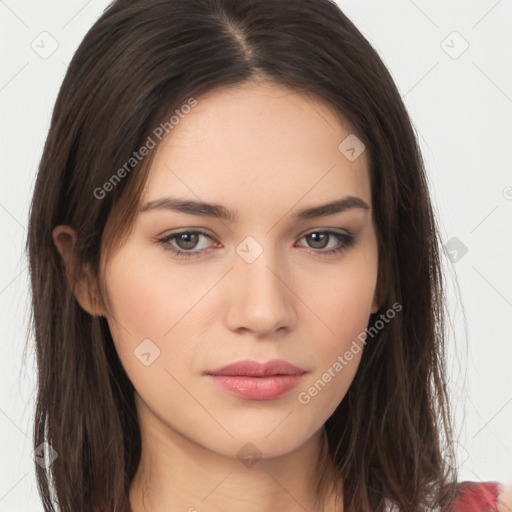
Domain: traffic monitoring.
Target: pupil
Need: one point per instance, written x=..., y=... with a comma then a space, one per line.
x=319, y=239
x=185, y=237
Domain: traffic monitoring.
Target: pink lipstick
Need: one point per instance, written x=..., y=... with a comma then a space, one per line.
x=257, y=381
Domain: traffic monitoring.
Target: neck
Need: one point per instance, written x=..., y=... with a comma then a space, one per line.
x=176, y=473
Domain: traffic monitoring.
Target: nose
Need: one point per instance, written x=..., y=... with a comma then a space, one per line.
x=260, y=300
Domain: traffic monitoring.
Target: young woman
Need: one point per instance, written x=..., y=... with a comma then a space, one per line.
x=236, y=277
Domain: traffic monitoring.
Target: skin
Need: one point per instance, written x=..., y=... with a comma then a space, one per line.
x=265, y=152
x=505, y=498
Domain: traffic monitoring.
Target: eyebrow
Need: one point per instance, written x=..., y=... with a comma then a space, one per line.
x=200, y=208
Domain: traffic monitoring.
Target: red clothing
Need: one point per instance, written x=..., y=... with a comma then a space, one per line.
x=477, y=497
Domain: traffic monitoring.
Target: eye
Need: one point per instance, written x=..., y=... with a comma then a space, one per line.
x=318, y=241
x=183, y=244
x=185, y=240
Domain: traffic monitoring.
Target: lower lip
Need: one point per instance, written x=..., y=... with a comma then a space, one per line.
x=257, y=388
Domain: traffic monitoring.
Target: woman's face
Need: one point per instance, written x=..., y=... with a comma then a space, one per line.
x=259, y=285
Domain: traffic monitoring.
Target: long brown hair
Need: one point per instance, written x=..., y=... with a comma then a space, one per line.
x=140, y=62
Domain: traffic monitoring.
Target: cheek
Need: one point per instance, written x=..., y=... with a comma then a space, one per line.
x=341, y=297
x=340, y=300
x=157, y=309
x=143, y=308
x=148, y=295
x=337, y=351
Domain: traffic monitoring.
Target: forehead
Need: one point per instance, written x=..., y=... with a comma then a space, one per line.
x=253, y=145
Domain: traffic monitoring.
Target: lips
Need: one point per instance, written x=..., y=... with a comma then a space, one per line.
x=250, y=368
x=257, y=381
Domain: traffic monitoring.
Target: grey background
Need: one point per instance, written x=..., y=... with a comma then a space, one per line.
x=460, y=102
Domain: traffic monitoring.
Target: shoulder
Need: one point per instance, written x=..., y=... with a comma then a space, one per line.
x=505, y=498
x=480, y=497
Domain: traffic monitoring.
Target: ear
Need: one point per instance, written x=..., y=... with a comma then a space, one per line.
x=83, y=287
x=375, y=305
x=377, y=299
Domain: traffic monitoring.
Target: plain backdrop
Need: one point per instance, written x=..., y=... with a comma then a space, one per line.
x=452, y=62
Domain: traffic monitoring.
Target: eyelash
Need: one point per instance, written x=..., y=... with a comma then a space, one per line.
x=346, y=241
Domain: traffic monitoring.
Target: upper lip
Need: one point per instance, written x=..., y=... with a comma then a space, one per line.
x=256, y=369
